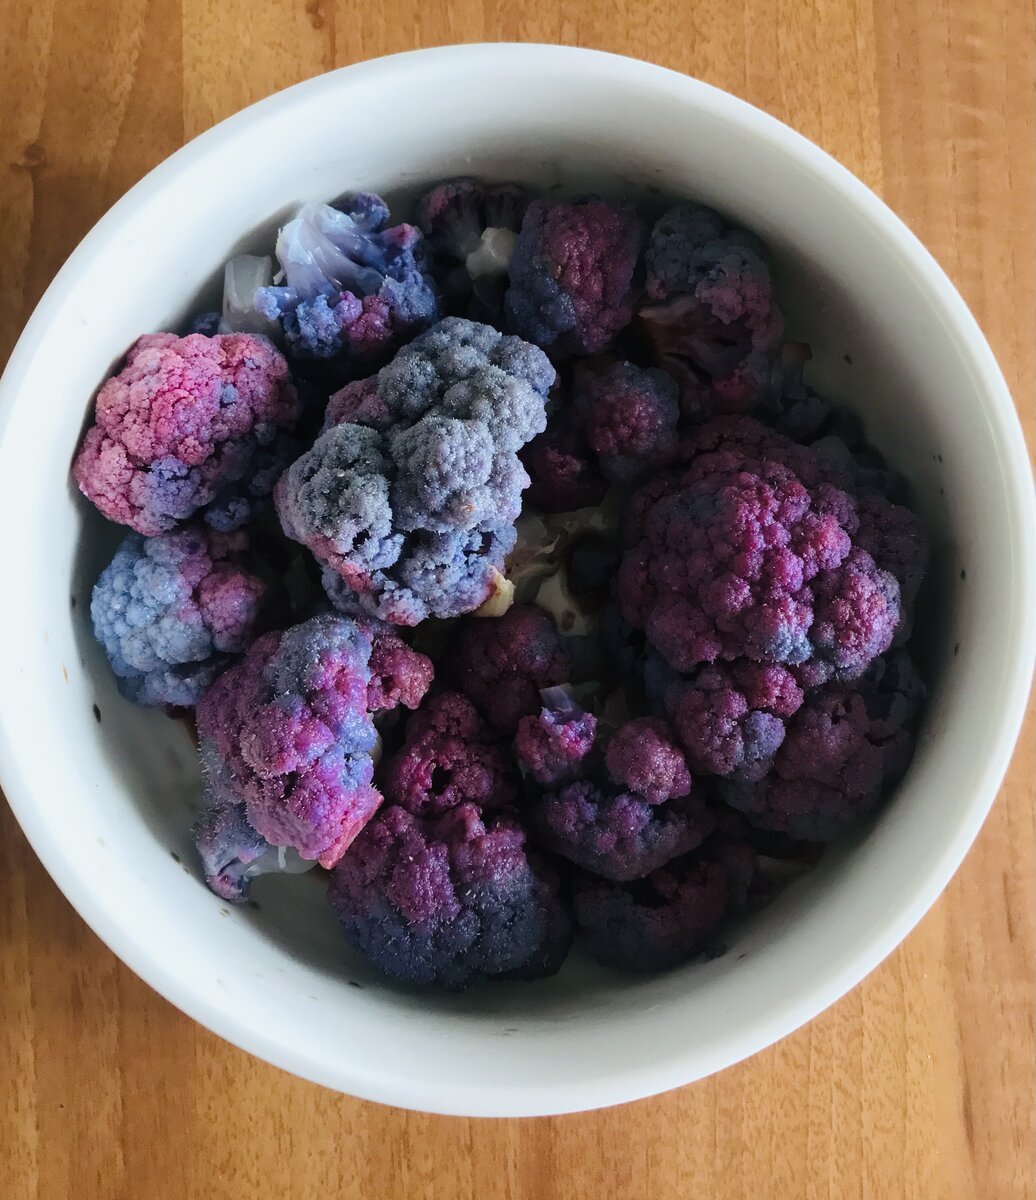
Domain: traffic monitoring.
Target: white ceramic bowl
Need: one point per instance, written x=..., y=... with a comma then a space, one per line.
x=106, y=800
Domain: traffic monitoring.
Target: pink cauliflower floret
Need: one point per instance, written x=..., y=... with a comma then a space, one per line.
x=286, y=738
x=643, y=757
x=571, y=274
x=844, y=749
x=730, y=717
x=713, y=322
x=449, y=756
x=183, y=418
x=652, y=923
x=629, y=416
x=451, y=899
x=553, y=745
x=400, y=675
x=747, y=552
x=501, y=663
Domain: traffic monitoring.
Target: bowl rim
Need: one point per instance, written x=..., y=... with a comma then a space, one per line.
x=815, y=994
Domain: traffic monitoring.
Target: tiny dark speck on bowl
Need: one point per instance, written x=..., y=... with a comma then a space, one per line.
x=963, y=573
x=848, y=358
x=254, y=904
x=97, y=714
x=741, y=956
x=72, y=601
x=938, y=458
x=956, y=649
x=175, y=857
x=352, y=983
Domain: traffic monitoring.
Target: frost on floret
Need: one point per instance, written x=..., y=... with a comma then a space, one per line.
x=844, y=749
x=286, y=735
x=619, y=806
x=711, y=319
x=471, y=227
x=572, y=274
x=182, y=420
x=652, y=923
x=501, y=663
x=409, y=501
x=451, y=899
x=629, y=415
x=449, y=756
x=730, y=717
x=354, y=288
x=747, y=552
x=172, y=611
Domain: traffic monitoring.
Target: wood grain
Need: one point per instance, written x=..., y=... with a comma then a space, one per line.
x=919, y=1083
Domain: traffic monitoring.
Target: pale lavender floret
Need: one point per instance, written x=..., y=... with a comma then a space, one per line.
x=409, y=495
x=171, y=612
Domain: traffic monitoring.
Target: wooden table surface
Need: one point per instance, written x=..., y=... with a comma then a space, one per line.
x=917, y=1084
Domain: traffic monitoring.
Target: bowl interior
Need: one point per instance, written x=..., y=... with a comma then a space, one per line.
x=107, y=792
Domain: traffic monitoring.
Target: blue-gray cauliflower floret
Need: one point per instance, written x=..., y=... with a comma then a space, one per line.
x=409, y=496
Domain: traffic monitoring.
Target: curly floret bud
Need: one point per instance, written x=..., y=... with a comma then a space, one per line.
x=655, y=922
x=172, y=611
x=843, y=750
x=714, y=324
x=400, y=675
x=182, y=420
x=642, y=756
x=553, y=745
x=501, y=663
x=572, y=273
x=450, y=900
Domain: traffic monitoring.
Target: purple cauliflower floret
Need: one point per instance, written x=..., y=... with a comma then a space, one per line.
x=411, y=499
x=894, y=537
x=747, y=552
x=400, y=675
x=451, y=899
x=652, y=923
x=472, y=227
x=616, y=806
x=183, y=419
x=502, y=663
x=712, y=322
x=731, y=717
x=286, y=736
x=355, y=289
x=554, y=744
x=172, y=611
x=843, y=750
x=571, y=274
x=629, y=416
x=236, y=503
x=449, y=756
x=564, y=475
x=642, y=756
x=229, y=849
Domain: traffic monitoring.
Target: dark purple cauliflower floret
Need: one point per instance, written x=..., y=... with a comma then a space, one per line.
x=895, y=538
x=643, y=757
x=501, y=664
x=730, y=717
x=747, y=552
x=450, y=900
x=629, y=416
x=563, y=472
x=652, y=923
x=472, y=227
x=409, y=502
x=712, y=322
x=182, y=421
x=844, y=749
x=287, y=737
x=571, y=274
x=553, y=745
x=449, y=756
x=172, y=611
x=354, y=288
x=400, y=675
